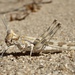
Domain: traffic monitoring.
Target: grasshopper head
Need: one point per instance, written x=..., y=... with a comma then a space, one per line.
x=10, y=37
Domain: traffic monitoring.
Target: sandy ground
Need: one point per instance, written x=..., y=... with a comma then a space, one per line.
x=34, y=25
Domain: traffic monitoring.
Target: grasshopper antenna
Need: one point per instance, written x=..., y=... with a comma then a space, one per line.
x=5, y=24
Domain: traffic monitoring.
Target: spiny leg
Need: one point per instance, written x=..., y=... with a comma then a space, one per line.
x=58, y=27
x=53, y=31
x=49, y=29
x=46, y=32
x=50, y=35
x=50, y=32
x=31, y=49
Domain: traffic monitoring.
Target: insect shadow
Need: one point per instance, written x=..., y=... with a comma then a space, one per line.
x=17, y=54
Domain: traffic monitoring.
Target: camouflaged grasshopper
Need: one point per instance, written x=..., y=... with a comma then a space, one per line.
x=39, y=44
x=34, y=45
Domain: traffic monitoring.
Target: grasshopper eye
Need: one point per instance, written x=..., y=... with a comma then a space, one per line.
x=10, y=37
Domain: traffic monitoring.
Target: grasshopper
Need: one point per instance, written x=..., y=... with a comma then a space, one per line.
x=39, y=44
x=34, y=45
